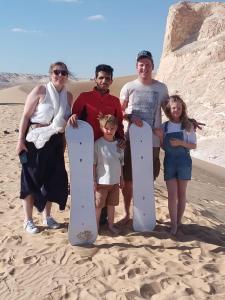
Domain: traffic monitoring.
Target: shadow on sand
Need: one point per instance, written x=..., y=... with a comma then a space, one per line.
x=186, y=233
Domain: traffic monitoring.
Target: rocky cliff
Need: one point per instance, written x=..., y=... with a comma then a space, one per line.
x=193, y=65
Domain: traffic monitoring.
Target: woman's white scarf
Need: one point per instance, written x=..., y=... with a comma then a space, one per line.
x=39, y=136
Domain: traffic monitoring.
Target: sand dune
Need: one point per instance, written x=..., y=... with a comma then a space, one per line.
x=128, y=266
x=18, y=94
x=15, y=94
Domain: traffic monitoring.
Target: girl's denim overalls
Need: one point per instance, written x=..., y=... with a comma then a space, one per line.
x=177, y=160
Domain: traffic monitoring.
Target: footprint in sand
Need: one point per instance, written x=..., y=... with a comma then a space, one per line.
x=14, y=240
x=150, y=289
x=49, y=245
x=47, y=233
x=167, y=282
x=217, y=288
x=122, y=261
x=28, y=260
x=86, y=252
x=63, y=230
x=221, y=267
x=133, y=272
x=211, y=268
x=186, y=258
x=176, y=268
x=189, y=291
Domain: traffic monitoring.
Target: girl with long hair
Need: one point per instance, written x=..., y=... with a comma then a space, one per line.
x=177, y=138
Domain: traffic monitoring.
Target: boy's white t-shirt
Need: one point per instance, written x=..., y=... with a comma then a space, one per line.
x=108, y=159
x=189, y=137
x=144, y=102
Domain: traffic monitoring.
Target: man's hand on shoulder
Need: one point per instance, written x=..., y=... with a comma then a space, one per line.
x=196, y=124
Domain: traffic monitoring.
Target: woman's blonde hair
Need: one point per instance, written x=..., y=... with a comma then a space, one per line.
x=61, y=64
x=185, y=122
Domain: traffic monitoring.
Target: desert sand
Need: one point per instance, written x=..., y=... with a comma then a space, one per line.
x=128, y=266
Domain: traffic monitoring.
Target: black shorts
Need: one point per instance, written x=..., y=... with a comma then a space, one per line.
x=127, y=168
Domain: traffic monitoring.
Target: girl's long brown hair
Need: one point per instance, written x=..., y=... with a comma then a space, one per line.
x=185, y=123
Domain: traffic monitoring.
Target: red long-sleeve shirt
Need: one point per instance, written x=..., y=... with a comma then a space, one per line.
x=89, y=105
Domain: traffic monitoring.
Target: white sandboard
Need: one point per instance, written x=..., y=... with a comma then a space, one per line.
x=80, y=143
x=144, y=218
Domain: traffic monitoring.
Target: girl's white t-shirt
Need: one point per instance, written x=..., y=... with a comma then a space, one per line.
x=189, y=136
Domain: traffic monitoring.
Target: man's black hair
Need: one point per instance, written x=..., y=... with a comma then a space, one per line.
x=104, y=68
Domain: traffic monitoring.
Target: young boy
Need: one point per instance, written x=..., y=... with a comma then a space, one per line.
x=108, y=163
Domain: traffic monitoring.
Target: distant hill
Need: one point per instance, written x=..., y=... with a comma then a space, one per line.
x=12, y=79
x=16, y=92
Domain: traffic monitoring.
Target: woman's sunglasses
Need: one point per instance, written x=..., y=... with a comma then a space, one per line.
x=62, y=72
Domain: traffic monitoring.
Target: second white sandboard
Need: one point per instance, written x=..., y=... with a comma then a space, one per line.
x=144, y=218
x=80, y=143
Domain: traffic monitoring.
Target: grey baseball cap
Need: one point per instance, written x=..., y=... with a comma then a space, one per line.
x=144, y=54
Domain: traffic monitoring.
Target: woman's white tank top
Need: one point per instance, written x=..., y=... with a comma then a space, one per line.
x=44, y=112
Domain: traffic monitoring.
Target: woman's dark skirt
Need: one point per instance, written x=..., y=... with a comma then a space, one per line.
x=44, y=176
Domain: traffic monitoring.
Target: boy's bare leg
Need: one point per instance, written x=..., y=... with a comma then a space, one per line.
x=127, y=196
x=98, y=213
x=111, y=214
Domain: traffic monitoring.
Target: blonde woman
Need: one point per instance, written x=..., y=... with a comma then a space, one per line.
x=41, y=146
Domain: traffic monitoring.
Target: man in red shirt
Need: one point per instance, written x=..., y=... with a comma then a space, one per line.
x=89, y=105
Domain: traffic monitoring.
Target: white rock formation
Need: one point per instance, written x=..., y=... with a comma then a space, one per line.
x=193, y=65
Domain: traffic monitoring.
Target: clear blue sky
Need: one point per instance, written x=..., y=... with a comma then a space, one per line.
x=82, y=33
